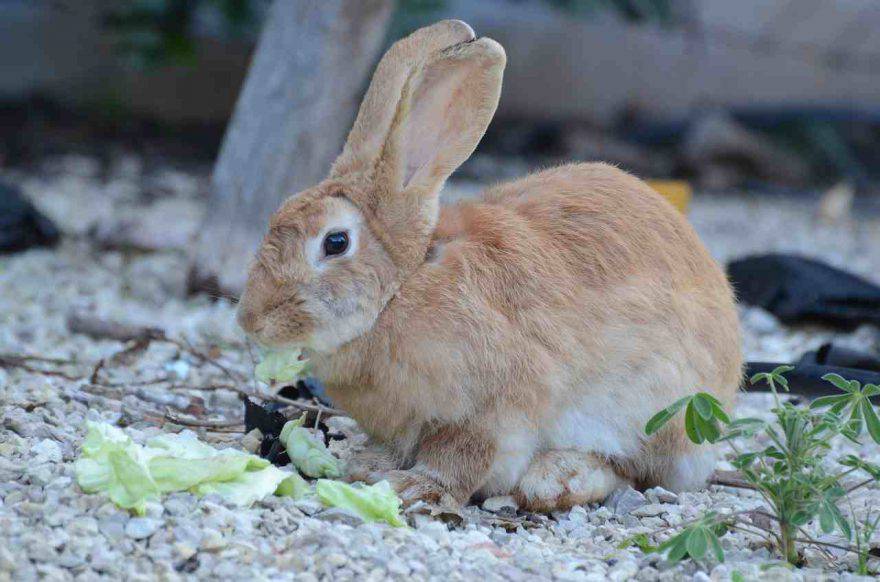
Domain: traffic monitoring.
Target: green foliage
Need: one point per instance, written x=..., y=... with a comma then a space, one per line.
x=792, y=473
x=702, y=417
x=697, y=540
x=863, y=535
x=161, y=32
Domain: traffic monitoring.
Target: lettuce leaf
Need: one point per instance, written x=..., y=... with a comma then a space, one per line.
x=281, y=366
x=376, y=502
x=131, y=474
x=308, y=454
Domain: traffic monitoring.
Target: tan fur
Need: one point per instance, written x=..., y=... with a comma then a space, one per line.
x=477, y=343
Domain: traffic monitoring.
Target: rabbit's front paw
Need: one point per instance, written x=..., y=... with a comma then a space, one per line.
x=371, y=464
x=413, y=486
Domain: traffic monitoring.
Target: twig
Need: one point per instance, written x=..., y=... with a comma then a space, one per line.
x=859, y=485
x=35, y=358
x=730, y=479
x=325, y=411
x=204, y=358
x=320, y=408
x=21, y=362
x=762, y=533
x=828, y=555
x=93, y=378
x=826, y=544
x=97, y=328
x=206, y=423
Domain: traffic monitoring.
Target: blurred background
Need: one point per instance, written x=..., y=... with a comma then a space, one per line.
x=160, y=134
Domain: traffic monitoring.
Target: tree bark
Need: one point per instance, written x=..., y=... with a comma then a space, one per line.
x=299, y=99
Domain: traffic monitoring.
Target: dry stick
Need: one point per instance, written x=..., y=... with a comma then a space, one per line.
x=325, y=411
x=828, y=555
x=320, y=408
x=35, y=358
x=93, y=379
x=107, y=329
x=207, y=423
x=860, y=485
x=8, y=361
x=730, y=479
x=97, y=328
x=188, y=347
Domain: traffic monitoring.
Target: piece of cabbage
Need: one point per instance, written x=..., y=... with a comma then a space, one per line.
x=280, y=366
x=307, y=453
x=376, y=502
x=131, y=474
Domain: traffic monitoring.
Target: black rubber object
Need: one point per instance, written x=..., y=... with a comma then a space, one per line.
x=797, y=290
x=806, y=379
x=22, y=226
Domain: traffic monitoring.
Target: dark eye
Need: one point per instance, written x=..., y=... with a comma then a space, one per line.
x=335, y=243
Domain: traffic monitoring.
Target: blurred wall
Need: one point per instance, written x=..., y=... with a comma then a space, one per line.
x=560, y=66
x=731, y=53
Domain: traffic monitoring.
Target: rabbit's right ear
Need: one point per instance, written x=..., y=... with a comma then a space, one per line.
x=371, y=128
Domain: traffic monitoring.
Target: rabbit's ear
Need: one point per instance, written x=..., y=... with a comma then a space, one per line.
x=370, y=129
x=444, y=110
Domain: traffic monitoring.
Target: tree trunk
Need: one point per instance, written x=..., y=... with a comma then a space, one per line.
x=294, y=111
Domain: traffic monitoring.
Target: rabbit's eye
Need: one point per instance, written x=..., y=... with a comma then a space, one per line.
x=335, y=243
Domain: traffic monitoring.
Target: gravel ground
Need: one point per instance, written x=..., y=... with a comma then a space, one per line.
x=49, y=529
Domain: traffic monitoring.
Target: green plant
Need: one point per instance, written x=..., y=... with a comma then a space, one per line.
x=793, y=475
x=863, y=537
x=161, y=32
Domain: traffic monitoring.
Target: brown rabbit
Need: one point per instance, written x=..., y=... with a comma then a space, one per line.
x=515, y=344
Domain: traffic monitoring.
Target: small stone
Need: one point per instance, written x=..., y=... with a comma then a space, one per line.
x=212, y=540
x=45, y=451
x=252, y=440
x=650, y=510
x=623, y=571
x=760, y=321
x=578, y=515
x=336, y=560
x=70, y=560
x=340, y=515
x=661, y=495
x=499, y=503
x=113, y=526
x=139, y=528
x=7, y=560
x=624, y=500
x=178, y=506
x=40, y=474
x=308, y=506
x=184, y=550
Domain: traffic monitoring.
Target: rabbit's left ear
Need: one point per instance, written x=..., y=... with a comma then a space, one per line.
x=446, y=107
x=444, y=110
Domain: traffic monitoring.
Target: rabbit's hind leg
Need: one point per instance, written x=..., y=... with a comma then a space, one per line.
x=561, y=479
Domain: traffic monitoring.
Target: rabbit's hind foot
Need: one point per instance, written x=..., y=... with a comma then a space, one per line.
x=561, y=479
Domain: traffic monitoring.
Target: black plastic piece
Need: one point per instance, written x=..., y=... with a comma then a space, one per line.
x=806, y=379
x=797, y=290
x=22, y=226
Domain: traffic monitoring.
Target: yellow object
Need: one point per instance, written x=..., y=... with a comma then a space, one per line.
x=678, y=192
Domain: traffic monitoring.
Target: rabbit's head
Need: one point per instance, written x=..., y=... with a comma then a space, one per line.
x=336, y=253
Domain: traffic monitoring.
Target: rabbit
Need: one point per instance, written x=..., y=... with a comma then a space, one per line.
x=510, y=345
